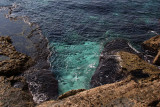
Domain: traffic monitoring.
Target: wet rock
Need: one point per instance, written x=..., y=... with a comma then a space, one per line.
x=14, y=96
x=16, y=63
x=109, y=69
x=42, y=85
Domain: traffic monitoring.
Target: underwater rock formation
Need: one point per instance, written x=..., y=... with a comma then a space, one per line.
x=109, y=69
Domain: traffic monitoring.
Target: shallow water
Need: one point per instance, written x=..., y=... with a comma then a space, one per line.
x=2, y=58
x=78, y=29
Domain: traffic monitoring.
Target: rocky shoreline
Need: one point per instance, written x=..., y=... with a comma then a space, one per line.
x=122, y=78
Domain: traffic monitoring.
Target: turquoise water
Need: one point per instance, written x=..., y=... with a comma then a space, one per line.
x=78, y=29
x=76, y=64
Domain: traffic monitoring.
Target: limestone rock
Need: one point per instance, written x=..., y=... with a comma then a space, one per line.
x=153, y=44
x=138, y=69
x=17, y=62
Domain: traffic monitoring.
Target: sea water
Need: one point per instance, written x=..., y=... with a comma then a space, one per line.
x=78, y=29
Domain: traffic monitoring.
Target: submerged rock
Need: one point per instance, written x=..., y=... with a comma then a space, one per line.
x=42, y=85
x=109, y=69
x=16, y=63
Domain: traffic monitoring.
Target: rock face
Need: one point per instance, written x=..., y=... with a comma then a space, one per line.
x=17, y=62
x=109, y=69
x=140, y=87
x=42, y=85
x=153, y=46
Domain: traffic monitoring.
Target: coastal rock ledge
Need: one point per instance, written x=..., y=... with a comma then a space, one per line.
x=137, y=86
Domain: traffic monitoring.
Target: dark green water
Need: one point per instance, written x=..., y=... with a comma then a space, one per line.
x=78, y=29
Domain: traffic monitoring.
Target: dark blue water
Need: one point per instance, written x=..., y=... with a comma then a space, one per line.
x=78, y=29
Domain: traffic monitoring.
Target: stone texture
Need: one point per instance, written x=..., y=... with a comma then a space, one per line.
x=14, y=93
x=153, y=44
x=17, y=62
x=139, y=70
x=109, y=69
x=70, y=93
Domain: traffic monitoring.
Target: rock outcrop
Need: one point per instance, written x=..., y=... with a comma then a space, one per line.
x=139, y=88
x=109, y=69
x=153, y=46
x=13, y=87
x=17, y=62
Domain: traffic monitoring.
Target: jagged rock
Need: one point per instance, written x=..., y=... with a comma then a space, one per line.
x=14, y=92
x=17, y=62
x=109, y=69
x=42, y=85
x=70, y=93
